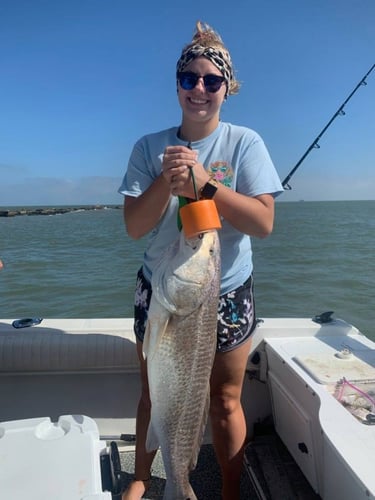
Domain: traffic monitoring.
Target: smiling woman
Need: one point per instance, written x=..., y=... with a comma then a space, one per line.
x=159, y=176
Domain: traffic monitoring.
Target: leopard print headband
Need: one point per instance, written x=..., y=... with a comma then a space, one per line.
x=220, y=58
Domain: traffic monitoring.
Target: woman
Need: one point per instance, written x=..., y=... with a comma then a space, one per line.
x=232, y=166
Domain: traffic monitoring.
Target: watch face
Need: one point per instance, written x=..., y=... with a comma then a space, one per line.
x=209, y=190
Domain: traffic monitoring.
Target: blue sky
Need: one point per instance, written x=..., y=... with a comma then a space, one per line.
x=82, y=80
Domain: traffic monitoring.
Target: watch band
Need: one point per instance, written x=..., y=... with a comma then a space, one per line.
x=208, y=191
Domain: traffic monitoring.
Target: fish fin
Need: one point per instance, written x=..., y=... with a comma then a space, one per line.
x=146, y=341
x=152, y=441
x=158, y=319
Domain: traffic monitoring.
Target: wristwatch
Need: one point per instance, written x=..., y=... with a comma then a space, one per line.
x=209, y=189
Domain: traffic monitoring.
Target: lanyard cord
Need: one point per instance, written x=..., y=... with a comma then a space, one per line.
x=182, y=201
x=193, y=177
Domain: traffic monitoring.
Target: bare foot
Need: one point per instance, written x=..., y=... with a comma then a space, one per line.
x=136, y=490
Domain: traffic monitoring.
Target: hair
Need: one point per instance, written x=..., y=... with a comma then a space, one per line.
x=204, y=35
x=208, y=43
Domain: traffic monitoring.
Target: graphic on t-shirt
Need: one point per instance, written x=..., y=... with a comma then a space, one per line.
x=222, y=172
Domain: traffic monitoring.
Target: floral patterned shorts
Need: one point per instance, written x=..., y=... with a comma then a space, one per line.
x=236, y=319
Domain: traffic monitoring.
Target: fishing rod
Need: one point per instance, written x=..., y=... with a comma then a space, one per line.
x=315, y=143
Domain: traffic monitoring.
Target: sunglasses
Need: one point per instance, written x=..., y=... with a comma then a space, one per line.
x=188, y=81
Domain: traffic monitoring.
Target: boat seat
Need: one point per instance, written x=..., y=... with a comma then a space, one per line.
x=71, y=366
x=41, y=350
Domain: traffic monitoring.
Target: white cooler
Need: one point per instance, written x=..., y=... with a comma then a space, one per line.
x=45, y=460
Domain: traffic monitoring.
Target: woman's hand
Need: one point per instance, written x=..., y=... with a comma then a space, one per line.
x=176, y=168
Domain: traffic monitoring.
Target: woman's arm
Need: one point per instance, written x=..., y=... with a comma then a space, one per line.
x=253, y=216
x=250, y=215
x=141, y=214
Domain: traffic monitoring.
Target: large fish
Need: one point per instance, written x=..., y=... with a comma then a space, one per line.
x=180, y=345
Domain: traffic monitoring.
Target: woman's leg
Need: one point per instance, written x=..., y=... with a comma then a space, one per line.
x=227, y=417
x=143, y=459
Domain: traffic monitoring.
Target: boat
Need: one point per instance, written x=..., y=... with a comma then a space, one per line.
x=310, y=384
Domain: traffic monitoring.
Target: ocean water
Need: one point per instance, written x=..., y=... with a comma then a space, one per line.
x=320, y=257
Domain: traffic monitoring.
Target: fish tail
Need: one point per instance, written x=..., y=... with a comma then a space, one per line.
x=180, y=493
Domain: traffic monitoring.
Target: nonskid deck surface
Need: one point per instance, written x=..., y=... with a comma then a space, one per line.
x=269, y=473
x=205, y=479
x=273, y=471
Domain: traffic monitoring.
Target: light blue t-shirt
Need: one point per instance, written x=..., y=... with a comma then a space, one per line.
x=235, y=156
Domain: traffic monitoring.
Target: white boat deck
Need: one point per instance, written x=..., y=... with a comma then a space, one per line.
x=89, y=367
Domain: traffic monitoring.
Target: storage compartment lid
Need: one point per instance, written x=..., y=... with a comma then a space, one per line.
x=328, y=368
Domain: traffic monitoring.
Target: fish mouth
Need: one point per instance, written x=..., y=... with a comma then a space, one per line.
x=185, y=280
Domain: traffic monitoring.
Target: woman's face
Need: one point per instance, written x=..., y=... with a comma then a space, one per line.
x=199, y=105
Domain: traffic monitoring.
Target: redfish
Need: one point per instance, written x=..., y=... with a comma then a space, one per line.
x=180, y=345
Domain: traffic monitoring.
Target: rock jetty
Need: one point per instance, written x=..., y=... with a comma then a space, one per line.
x=53, y=211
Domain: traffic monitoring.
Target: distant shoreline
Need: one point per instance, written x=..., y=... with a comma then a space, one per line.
x=53, y=210
x=12, y=211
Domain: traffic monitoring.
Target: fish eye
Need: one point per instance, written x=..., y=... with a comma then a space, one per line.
x=193, y=242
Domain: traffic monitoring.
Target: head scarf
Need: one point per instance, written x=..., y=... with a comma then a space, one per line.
x=219, y=57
